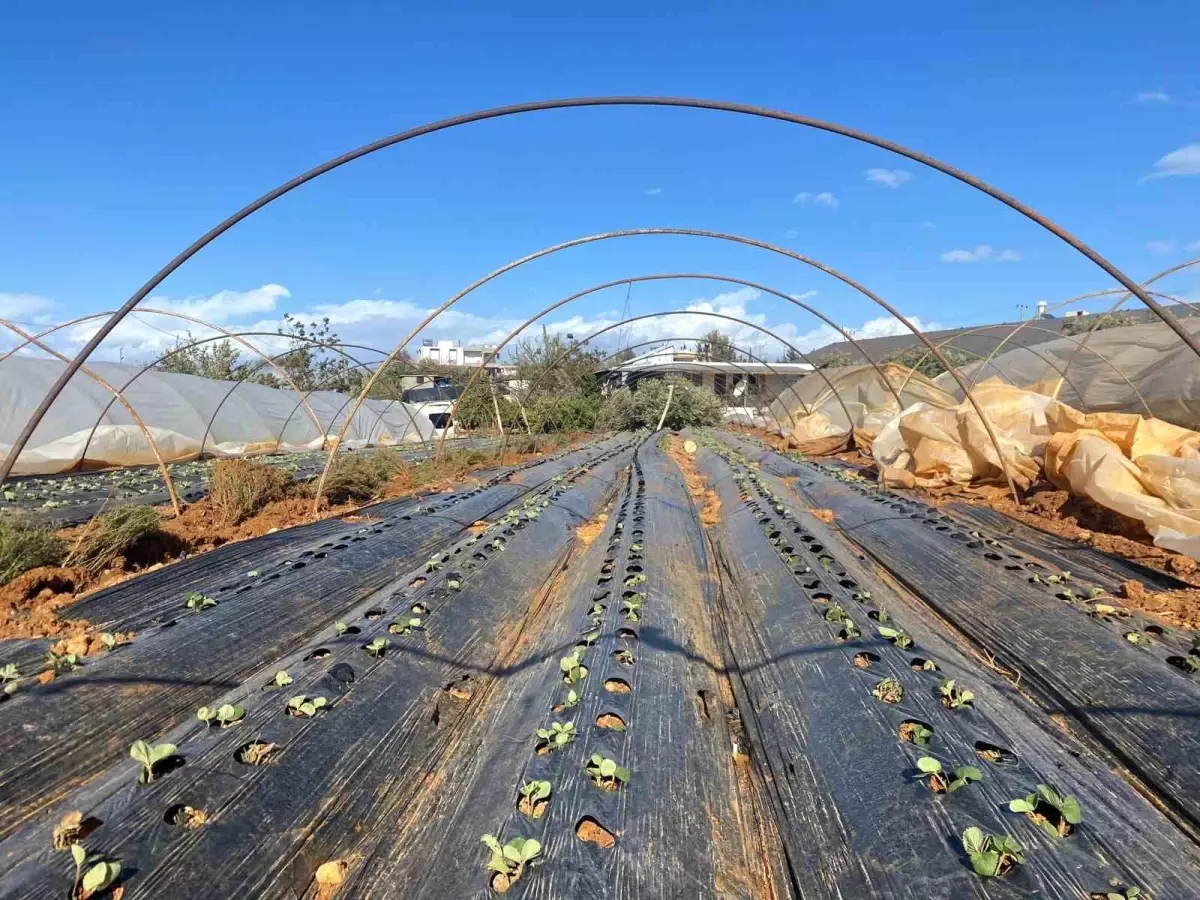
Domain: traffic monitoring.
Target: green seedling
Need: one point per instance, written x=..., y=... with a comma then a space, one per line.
x=198, y=601
x=929, y=666
x=915, y=733
x=62, y=661
x=509, y=861
x=99, y=875
x=1056, y=814
x=635, y=579
x=108, y=639
x=406, y=627
x=591, y=636
x=835, y=613
x=300, y=705
x=1130, y=893
x=454, y=584
x=9, y=673
x=881, y=615
x=954, y=697
x=571, y=702
x=624, y=657
x=253, y=573
x=896, y=636
x=534, y=797
x=632, y=609
x=605, y=773
x=940, y=781
x=377, y=646
x=1093, y=592
x=862, y=596
x=282, y=679
x=992, y=855
x=150, y=756
x=433, y=565
x=573, y=670
x=635, y=547
x=1135, y=637
x=849, y=631
x=497, y=544
x=889, y=691
x=558, y=735
x=224, y=715
x=340, y=627
x=597, y=609
x=1067, y=594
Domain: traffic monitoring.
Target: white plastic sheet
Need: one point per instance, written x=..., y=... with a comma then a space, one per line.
x=187, y=416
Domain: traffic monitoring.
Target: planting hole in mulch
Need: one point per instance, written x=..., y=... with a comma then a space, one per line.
x=864, y=660
x=923, y=665
x=532, y=810
x=627, y=634
x=255, y=753
x=611, y=721
x=617, y=686
x=848, y=583
x=343, y=672
x=914, y=731
x=416, y=583
x=319, y=653
x=624, y=657
x=1182, y=663
x=593, y=832
x=821, y=597
x=185, y=816
x=995, y=755
x=352, y=629
x=420, y=609
x=372, y=614
x=1157, y=630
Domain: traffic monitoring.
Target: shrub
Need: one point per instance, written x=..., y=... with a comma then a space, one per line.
x=1084, y=324
x=240, y=487
x=690, y=405
x=476, y=410
x=570, y=412
x=25, y=545
x=361, y=475
x=112, y=535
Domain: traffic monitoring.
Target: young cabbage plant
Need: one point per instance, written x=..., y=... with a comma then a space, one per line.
x=377, y=646
x=992, y=855
x=1133, y=892
x=509, y=861
x=605, y=773
x=954, y=697
x=99, y=874
x=849, y=631
x=916, y=733
x=557, y=736
x=108, y=639
x=9, y=673
x=340, y=627
x=300, y=705
x=454, y=584
x=150, y=756
x=896, y=637
x=635, y=579
x=572, y=700
x=282, y=679
x=534, y=797
x=632, y=608
x=198, y=601
x=889, y=691
x=940, y=781
x=835, y=613
x=1056, y=814
x=573, y=670
x=881, y=615
x=62, y=662
x=405, y=627
x=225, y=715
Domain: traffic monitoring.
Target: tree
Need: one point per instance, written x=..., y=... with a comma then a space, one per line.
x=215, y=359
x=838, y=358
x=791, y=355
x=716, y=347
x=926, y=363
x=557, y=365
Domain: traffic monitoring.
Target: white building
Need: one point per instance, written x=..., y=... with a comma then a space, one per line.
x=453, y=353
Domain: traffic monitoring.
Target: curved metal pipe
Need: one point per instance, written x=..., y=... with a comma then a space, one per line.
x=117, y=395
x=740, y=108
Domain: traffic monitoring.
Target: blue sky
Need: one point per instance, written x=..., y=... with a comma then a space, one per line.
x=131, y=128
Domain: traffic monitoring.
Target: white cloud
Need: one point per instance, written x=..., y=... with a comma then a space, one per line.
x=225, y=305
x=654, y=192
x=791, y=233
x=1193, y=246
x=892, y=178
x=981, y=253
x=928, y=224
x=823, y=198
x=1152, y=97
x=28, y=308
x=1184, y=161
x=1160, y=247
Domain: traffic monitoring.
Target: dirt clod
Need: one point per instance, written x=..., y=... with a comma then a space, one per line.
x=594, y=833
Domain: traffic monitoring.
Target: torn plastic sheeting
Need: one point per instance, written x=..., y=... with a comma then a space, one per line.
x=1146, y=469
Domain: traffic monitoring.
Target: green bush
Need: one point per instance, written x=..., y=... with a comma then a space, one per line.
x=112, y=535
x=573, y=412
x=475, y=409
x=624, y=410
x=25, y=545
x=241, y=487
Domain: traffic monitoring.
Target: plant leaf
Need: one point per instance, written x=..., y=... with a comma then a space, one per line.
x=987, y=863
x=78, y=854
x=929, y=765
x=1020, y=806
x=973, y=840
x=1070, y=811
x=100, y=876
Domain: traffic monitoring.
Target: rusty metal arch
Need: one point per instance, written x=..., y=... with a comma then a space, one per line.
x=578, y=345
x=667, y=276
x=987, y=361
x=173, y=315
x=578, y=102
x=117, y=395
